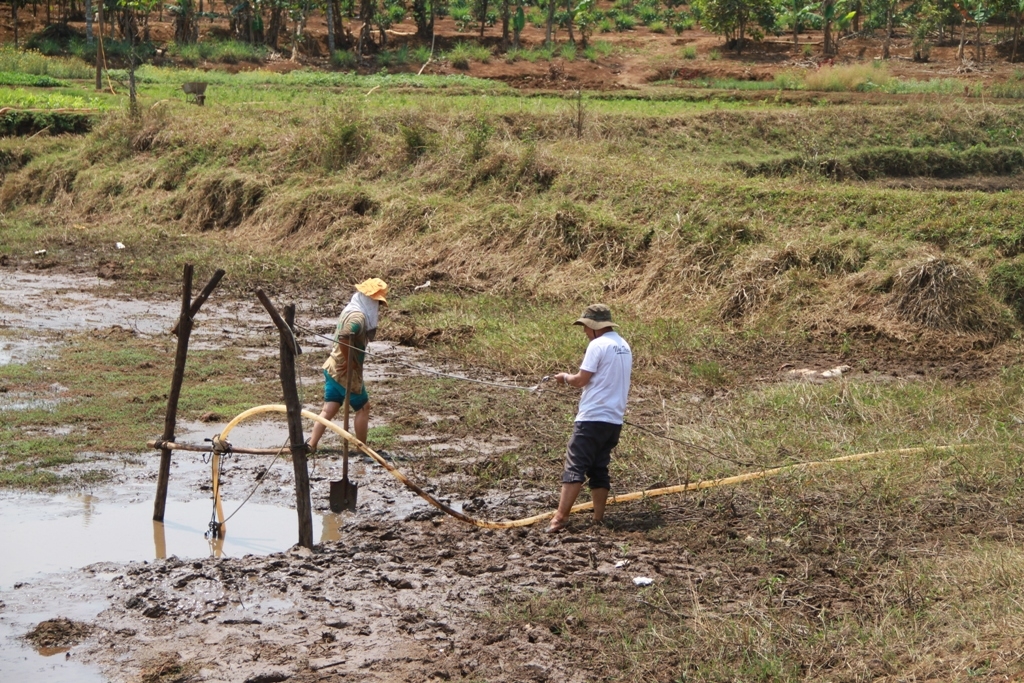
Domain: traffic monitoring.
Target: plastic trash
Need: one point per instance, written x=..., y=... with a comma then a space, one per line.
x=642, y=580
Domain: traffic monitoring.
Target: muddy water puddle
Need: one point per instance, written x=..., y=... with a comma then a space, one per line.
x=36, y=306
x=45, y=534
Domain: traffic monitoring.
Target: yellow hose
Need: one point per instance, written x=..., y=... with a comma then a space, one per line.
x=612, y=500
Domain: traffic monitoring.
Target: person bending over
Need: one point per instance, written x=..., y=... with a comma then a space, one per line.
x=357, y=325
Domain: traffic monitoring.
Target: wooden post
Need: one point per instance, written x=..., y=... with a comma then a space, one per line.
x=183, y=329
x=203, y=296
x=290, y=349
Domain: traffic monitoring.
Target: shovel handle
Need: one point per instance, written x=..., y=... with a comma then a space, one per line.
x=348, y=391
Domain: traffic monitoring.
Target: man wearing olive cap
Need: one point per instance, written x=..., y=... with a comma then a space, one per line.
x=357, y=325
x=604, y=377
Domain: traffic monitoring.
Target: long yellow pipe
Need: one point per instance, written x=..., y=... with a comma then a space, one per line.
x=612, y=500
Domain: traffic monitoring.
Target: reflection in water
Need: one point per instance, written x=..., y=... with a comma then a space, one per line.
x=53, y=533
x=159, y=541
x=332, y=522
x=89, y=502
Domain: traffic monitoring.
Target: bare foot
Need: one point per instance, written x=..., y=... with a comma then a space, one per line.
x=555, y=527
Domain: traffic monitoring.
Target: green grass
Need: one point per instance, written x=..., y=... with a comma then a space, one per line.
x=27, y=62
x=114, y=402
x=27, y=99
x=224, y=52
x=463, y=53
x=30, y=80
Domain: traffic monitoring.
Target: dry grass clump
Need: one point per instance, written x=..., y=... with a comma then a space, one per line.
x=848, y=77
x=757, y=284
x=841, y=256
x=220, y=200
x=943, y=295
x=59, y=632
x=169, y=668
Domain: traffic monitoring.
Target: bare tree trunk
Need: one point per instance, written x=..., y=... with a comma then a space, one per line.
x=569, y=16
x=977, y=45
x=483, y=17
x=14, y=18
x=505, y=19
x=366, y=16
x=330, y=28
x=888, y=31
x=88, y=21
x=551, y=22
x=963, y=41
x=1016, y=39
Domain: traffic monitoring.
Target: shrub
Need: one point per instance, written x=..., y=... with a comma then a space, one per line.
x=462, y=16
x=389, y=58
x=647, y=15
x=657, y=26
x=462, y=53
x=604, y=48
x=421, y=54
x=342, y=144
x=606, y=25
x=415, y=139
x=478, y=137
x=218, y=51
x=568, y=52
x=690, y=52
x=714, y=55
x=536, y=17
x=624, y=22
x=344, y=59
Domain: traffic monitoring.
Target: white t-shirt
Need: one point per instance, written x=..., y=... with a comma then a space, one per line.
x=604, y=398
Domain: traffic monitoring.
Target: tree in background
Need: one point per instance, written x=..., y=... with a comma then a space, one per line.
x=518, y=24
x=1016, y=8
x=731, y=18
x=797, y=14
x=833, y=14
x=586, y=19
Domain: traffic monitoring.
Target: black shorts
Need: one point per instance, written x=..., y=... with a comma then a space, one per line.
x=589, y=452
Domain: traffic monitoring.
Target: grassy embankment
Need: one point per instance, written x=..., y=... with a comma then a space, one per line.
x=729, y=238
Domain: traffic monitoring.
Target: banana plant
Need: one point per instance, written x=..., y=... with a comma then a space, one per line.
x=796, y=14
x=834, y=14
x=585, y=19
x=978, y=11
x=518, y=24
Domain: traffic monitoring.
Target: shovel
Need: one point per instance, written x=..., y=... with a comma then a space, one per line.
x=343, y=493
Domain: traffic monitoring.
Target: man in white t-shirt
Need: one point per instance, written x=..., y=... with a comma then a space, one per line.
x=604, y=377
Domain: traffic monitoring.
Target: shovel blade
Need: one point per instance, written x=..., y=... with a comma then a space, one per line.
x=343, y=495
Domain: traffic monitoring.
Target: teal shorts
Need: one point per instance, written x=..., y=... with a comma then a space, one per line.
x=335, y=393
